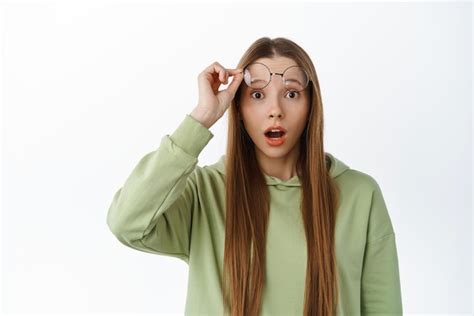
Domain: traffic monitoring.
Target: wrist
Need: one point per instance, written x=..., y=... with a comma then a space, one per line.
x=203, y=116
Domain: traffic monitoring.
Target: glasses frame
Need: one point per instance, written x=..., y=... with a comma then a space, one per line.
x=277, y=73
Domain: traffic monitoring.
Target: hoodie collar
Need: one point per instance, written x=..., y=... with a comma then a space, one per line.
x=337, y=168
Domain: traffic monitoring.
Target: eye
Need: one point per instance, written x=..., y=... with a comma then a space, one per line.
x=258, y=93
x=295, y=93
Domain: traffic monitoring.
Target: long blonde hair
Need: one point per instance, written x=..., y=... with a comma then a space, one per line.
x=247, y=215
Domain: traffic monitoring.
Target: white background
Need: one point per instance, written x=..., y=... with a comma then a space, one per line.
x=91, y=87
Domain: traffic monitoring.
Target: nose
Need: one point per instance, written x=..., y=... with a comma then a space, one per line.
x=275, y=112
x=274, y=89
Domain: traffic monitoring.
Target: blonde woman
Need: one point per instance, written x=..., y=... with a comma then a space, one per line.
x=277, y=226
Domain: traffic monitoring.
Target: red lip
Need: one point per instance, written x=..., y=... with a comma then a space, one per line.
x=278, y=127
x=275, y=141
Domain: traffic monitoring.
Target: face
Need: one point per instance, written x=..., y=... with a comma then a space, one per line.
x=275, y=105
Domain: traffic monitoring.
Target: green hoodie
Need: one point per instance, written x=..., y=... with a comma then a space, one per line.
x=170, y=206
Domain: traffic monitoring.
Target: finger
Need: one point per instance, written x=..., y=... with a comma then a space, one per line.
x=218, y=68
x=232, y=73
x=235, y=71
x=214, y=66
x=234, y=85
x=207, y=83
x=213, y=75
x=214, y=70
x=222, y=75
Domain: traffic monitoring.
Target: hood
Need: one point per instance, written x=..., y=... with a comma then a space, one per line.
x=337, y=168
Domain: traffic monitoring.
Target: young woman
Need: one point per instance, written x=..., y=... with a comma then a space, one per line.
x=277, y=226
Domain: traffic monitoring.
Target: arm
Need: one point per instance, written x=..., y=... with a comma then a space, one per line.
x=381, y=290
x=152, y=211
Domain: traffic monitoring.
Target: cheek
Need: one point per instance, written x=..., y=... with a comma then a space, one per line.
x=251, y=113
x=249, y=122
x=300, y=120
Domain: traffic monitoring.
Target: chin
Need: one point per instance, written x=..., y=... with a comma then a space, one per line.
x=275, y=151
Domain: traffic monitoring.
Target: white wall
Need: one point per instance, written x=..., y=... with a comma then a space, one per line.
x=90, y=87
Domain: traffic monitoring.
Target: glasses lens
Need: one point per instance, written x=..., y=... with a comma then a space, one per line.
x=256, y=76
x=295, y=78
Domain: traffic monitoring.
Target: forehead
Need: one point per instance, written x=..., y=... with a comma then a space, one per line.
x=277, y=63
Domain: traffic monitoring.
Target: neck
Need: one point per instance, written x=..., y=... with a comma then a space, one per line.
x=283, y=167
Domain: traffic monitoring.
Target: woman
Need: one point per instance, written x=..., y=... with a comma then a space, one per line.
x=277, y=226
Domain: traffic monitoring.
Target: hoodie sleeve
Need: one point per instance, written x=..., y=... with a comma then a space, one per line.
x=380, y=284
x=152, y=211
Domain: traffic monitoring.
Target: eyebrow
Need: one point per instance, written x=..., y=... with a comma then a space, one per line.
x=257, y=80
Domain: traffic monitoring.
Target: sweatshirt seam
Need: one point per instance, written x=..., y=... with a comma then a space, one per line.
x=158, y=209
x=163, y=252
x=381, y=238
x=191, y=125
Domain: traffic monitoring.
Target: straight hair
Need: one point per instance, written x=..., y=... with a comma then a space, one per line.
x=247, y=202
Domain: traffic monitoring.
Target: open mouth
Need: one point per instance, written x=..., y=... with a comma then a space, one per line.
x=275, y=135
x=275, y=138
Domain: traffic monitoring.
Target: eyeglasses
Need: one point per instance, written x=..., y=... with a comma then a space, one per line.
x=258, y=76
